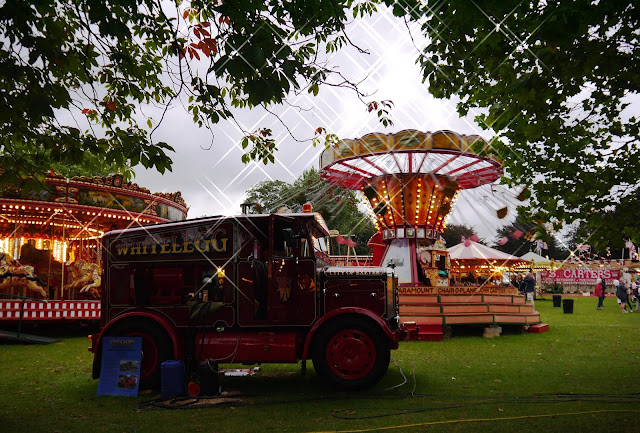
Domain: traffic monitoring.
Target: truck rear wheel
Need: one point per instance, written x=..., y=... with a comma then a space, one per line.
x=351, y=353
x=156, y=348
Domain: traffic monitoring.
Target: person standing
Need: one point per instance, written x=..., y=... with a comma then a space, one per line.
x=621, y=294
x=517, y=283
x=599, y=292
x=530, y=286
x=630, y=296
x=635, y=289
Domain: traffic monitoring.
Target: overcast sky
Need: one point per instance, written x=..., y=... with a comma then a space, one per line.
x=213, y=179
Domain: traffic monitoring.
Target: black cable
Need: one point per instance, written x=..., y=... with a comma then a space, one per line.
x=541, y=399
x=460, y=405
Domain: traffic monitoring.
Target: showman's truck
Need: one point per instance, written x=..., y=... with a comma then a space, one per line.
x=249, y=289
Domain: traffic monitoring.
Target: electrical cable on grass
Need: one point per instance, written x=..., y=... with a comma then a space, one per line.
x=401, y=373
x=225, y=400
x=490, y=400
x=470, y=420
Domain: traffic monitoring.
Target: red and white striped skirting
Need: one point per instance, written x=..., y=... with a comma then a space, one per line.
x=51, y=310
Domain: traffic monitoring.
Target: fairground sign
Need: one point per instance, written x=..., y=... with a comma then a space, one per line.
x=579, y=276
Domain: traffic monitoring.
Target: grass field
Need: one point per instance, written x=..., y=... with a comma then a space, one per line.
x=582, y=375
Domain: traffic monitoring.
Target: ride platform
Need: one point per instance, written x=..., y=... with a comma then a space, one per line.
x=432, y=309
x=26, y=338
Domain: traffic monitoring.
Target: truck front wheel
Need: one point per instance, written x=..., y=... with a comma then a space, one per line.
x=351, y=353
x=156, y=348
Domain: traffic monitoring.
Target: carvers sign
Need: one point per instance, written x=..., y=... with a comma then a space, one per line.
x=579, y=276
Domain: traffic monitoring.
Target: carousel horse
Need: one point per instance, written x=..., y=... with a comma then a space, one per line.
x=48, y=269
x=17, y=277
x=84, y=277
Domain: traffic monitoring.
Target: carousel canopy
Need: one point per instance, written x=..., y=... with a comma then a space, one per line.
x=59, y=210
x=535, y=261
x=474, y=253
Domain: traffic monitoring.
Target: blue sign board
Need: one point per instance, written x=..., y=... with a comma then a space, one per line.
x=120, y=372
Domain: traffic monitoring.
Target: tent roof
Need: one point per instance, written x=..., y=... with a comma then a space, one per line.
x=470, y=250
x=533, y=257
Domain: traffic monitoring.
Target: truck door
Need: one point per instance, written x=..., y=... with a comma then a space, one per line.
x=253, y=277
x=292, y=279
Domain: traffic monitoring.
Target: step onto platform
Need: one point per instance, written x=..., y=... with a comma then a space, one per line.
x=539, y=328
x=424, y=332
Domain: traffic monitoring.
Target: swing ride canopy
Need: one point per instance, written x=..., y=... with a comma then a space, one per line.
x=410, y=178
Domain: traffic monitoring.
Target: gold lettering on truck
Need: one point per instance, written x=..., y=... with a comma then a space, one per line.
x=219, y=245
x=185, y=244
x=204, y=249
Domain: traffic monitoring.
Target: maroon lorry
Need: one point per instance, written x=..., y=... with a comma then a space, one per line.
x=249, y=289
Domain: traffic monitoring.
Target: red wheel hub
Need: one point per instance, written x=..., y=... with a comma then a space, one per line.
x=150, y=355
x=351, y=354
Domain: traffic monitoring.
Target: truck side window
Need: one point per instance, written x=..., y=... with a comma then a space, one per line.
x=141, y=286
x=213, y=284
x=280, y=246
x=305, y=248
x=260, y=290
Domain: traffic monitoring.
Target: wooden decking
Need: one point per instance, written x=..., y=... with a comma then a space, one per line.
x=428, y=313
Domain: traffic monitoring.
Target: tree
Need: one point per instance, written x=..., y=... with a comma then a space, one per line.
x=80, y=77
x=554, y=80
x=608, y=240
x=455, y=232
x=521, y=237
x=338, y=206
x=268, y=196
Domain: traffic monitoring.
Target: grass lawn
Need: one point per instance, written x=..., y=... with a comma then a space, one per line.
x=582, y=375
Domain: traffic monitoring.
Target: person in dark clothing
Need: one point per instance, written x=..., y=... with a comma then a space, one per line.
x=530, y=286
x=621, y=293
x=629, y=295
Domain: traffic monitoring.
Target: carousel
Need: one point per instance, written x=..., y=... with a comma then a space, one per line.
x=411, y=180
x=50, y=236
x=473, y=263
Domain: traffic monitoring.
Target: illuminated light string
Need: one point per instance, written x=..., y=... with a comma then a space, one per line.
x=59, y=248
x=12, y=247
x=70, y=211
x=392, y=205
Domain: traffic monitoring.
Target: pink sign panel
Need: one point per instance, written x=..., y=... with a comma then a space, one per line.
x=580, y=276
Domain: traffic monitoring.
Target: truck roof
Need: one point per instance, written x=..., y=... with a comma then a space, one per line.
x=318, y=219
